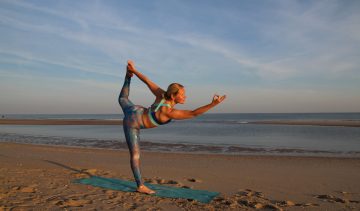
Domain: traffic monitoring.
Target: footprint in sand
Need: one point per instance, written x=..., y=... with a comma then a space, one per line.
x=307, y=205
x=73, y=203
x=28, y=190
x=249, y=193
x=15, y=188
x=287, y=203
x=172, y=182
x=110, y=194
x=151, y=181
x=255, y=199
x=91, y=171
x=85, y=173
x=193, y=180
x=331, y=198
x=163, y=181
x=187, y=187
x=3, y=195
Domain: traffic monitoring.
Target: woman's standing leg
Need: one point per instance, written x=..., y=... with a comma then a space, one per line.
x=132, y=140
x=131, y=129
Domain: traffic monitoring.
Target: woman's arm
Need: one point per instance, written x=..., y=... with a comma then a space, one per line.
x=187, y=114
x=155, y=89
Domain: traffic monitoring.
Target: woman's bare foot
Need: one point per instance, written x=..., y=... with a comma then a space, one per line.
x=144, y=189
x=129, y=73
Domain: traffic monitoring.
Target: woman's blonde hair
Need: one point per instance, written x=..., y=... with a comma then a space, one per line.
x=172, y=89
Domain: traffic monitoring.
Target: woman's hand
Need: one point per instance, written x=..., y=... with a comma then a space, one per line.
x=131, y=66
x=217, y=99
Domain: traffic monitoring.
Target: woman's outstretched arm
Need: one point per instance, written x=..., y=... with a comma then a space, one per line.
x=154, y=88
x=188, y=114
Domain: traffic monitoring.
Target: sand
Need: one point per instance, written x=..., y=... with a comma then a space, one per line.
x=39, y=177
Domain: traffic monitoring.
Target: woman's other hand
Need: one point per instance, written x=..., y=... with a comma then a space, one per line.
x=217, y=99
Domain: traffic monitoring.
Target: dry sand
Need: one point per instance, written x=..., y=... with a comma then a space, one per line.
x=39, y=177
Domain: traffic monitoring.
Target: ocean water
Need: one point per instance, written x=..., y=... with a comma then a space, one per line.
x=209, y=133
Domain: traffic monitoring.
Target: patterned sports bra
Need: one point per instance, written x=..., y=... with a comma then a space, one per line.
x=152, y=116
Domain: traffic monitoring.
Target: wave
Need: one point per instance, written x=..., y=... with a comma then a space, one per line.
x=170, y=147
x=221, y=121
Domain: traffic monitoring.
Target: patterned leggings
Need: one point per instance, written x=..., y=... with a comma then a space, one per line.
x=132, y=124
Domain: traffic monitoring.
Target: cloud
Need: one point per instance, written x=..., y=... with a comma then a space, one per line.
x=281, y=45
x=296, y=33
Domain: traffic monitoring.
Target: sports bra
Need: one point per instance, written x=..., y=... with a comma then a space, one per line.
x=152, y=116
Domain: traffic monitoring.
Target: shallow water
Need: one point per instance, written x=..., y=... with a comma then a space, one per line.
x=212, y=133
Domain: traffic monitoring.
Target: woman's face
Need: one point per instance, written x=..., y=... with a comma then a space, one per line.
x=180, y=96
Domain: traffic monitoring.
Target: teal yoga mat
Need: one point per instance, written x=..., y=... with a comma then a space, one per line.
x=161, y=190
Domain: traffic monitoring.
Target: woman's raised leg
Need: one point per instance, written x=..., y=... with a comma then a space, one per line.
x=124, y=94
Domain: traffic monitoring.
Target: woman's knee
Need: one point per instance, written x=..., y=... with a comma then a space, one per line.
x=135, y=153
x=123, y=102
x=135, y=158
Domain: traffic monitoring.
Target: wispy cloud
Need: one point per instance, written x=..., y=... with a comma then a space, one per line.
x=297, y=30
x=246, y=44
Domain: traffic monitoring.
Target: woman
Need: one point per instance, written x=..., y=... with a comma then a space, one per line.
x=162, y=111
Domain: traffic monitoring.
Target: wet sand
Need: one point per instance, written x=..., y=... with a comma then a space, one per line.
x=38, y=176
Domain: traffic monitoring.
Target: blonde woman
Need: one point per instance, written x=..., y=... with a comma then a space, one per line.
x=161, y=112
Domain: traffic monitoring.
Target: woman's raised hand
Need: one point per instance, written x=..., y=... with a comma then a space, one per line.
x=217, y=99
x=131, y=66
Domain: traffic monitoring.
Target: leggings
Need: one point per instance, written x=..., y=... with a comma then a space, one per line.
x=132, y=123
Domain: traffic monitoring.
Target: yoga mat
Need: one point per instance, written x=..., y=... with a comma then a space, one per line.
x=161, y=190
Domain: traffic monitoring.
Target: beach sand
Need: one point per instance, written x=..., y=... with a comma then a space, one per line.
x=40, y=177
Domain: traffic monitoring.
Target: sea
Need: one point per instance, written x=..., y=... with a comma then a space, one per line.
x=225, y=133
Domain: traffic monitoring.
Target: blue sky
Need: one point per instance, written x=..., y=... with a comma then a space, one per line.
x=266, y=56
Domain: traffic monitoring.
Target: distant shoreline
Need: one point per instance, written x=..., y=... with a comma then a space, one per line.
x=341, y=123
x=59, y=122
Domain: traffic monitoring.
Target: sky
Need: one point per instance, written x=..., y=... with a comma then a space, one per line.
x=68, y=57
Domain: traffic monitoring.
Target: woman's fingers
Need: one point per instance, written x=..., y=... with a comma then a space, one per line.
x=218, y=99
x=130, y=68
x=131, y=65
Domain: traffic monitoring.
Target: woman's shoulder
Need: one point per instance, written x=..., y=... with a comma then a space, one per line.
x=156, y=102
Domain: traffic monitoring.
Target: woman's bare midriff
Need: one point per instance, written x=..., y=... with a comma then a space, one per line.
x=146, y=119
